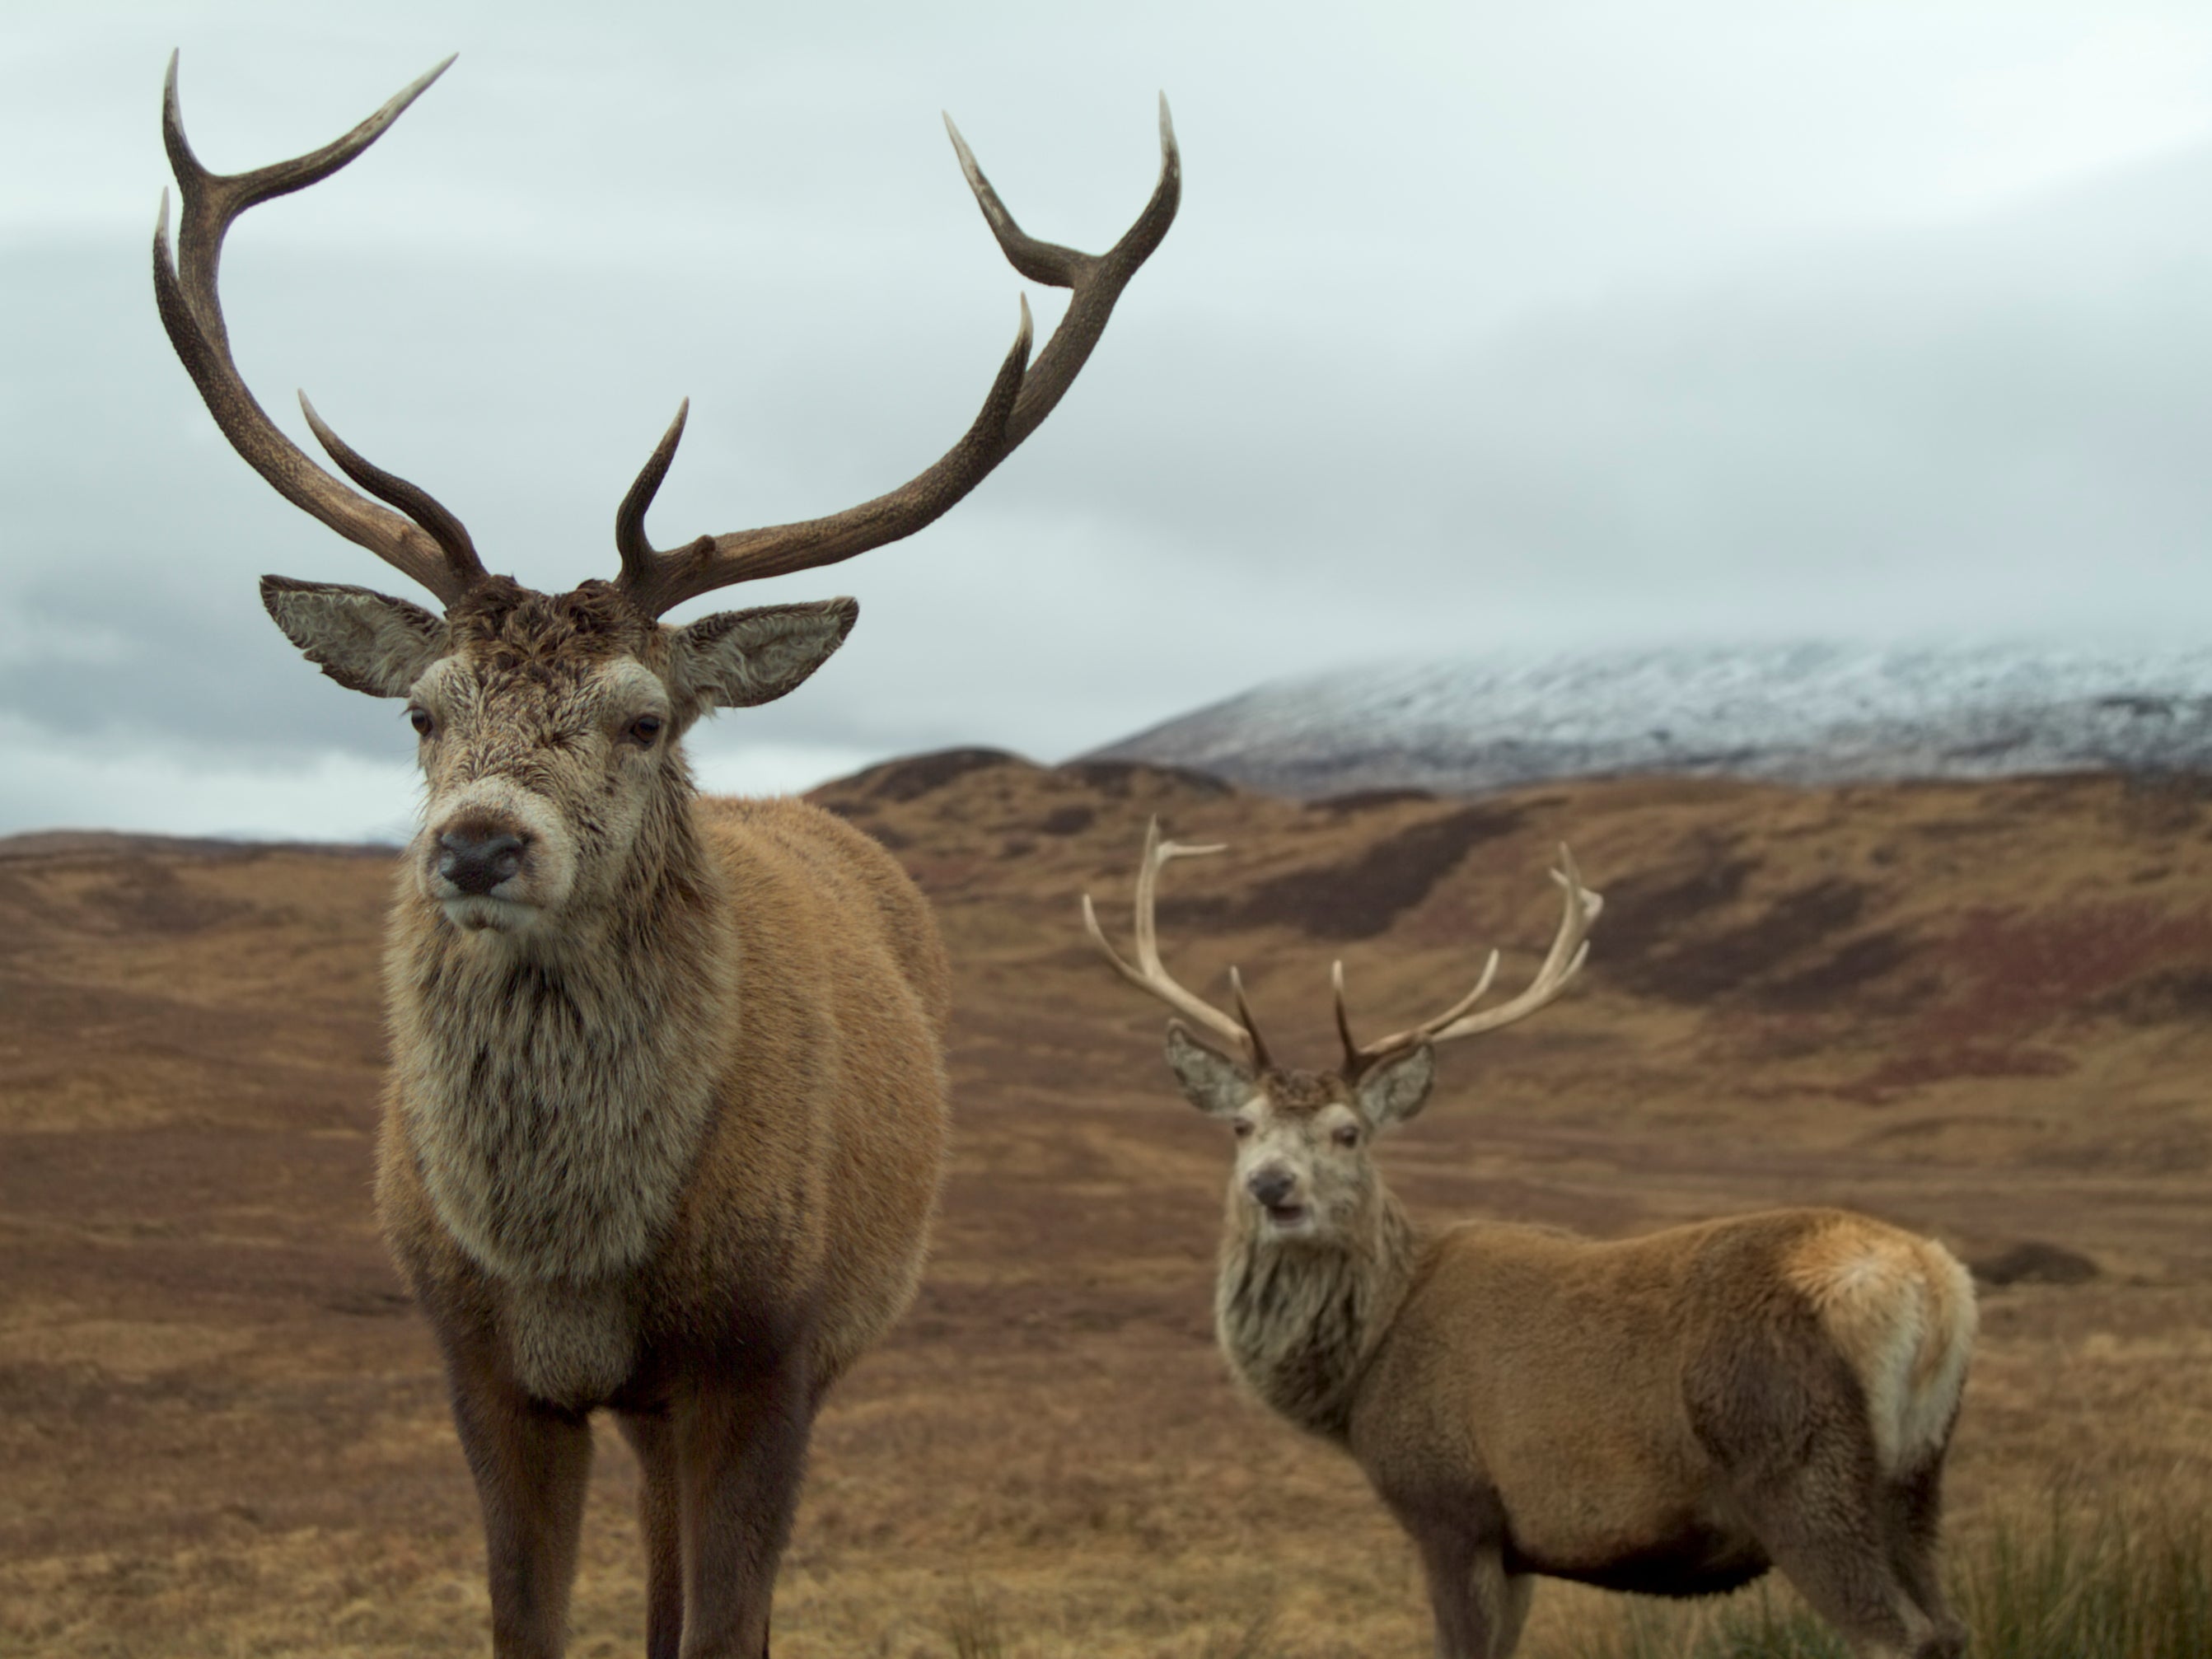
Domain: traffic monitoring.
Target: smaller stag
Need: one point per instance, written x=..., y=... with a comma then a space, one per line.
x=1671, y=1414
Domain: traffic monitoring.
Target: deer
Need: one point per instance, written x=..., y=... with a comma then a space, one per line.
x=666, y=1109
x=1672, y=1413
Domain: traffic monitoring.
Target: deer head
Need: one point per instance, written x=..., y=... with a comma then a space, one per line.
x=550, y=725
x=1304, y=1138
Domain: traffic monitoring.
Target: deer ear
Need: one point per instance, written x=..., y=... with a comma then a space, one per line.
x=365, y=641
x=1213, y=1083
x=736, y=659
x=1398, y=1088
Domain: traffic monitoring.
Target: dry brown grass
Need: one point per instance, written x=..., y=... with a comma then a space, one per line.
x=1976, y=1010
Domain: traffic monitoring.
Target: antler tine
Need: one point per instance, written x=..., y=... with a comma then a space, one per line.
x=432, y=550
x=1569, y=949
x=1343, y=1019
x=1159, y=854
x=1357, y=1054
x=1149, y=975
x=1581, y=907
x=1096, y=282
x=638, y=557
x=1244, y=1015
x=417, y=503
x=1021, y=396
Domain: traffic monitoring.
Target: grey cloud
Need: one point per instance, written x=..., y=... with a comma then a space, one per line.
x=1986, y=411
x=1967, y=412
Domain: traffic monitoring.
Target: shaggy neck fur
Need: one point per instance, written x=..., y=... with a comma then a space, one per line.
x=1299, y=1318
x=555, y=1086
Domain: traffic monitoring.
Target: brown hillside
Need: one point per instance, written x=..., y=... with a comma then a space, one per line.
x=1980, y=1010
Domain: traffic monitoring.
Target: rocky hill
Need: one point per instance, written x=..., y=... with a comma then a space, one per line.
x=1802, y=713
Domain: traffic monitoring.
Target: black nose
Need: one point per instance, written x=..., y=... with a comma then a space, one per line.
x=477, y=863
x=1271, y=1187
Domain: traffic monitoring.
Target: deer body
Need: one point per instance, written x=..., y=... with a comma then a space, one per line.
x=666, y=1112
x=681, y=1166
x=1671, y=1414
x=1610, y=1451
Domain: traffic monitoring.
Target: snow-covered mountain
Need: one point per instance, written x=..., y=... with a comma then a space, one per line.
x=1806, y=714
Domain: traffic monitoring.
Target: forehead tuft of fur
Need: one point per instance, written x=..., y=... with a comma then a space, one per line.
x=506, y=630
x=1302, y=1094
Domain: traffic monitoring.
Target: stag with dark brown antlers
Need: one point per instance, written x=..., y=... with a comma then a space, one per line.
x=1673, y=1414
x=667, y=1107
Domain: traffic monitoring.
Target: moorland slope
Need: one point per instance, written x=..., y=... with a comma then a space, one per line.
x=1978, y=1009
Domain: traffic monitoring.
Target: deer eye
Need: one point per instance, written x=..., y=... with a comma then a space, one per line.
x=644, y=729
x=421, y=721
x=1346, y=1134
x=1243, y=1128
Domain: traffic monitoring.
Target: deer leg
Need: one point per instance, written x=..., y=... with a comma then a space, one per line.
x=532, y=1462
x=1823, y=1523
x=1914, y=1506
x=1783, y=1416
x=741, y=1453
x=660, y=1515
x=1515, y=1591
x=1478, y=1607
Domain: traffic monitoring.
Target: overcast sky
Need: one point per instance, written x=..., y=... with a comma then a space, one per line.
x=1482, y=326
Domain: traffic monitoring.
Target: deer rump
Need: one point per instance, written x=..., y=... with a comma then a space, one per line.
x=780, y=1182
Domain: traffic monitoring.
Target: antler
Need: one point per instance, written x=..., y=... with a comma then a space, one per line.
x=1561, y=964
x=433, y=548
x=1020, y=398
x=1151, y=976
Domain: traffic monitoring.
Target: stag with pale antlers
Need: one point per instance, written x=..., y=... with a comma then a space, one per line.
x=666, y=1111
x=1671, y=1414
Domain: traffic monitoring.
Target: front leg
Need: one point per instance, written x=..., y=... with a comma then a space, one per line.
x=1478, y=1607
x=532, y=1462
x=741, y=1452
x=659, y=1514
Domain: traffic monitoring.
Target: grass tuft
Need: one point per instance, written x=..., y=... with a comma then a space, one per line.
x=2065, y=1584
x=1256, y=1640
x=974, y=1625
x=2109, y=1585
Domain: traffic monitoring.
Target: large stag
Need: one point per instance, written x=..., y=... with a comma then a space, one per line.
x=667, y=1107
x=1671, y=1414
